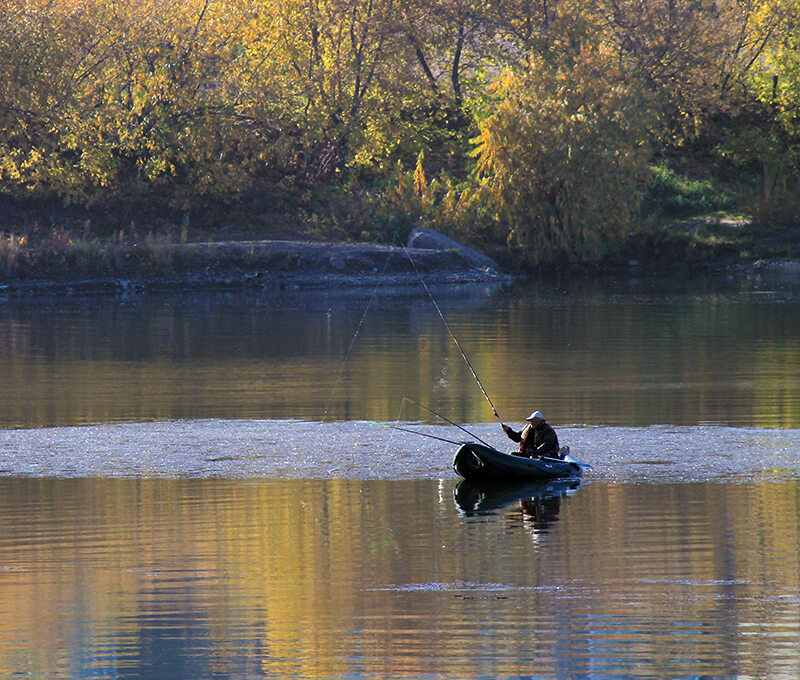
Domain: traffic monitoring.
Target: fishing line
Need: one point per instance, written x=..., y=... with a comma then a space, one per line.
x=452, y=335
x=421, y=434
x=353, y=341
x=399, y=413
x=439, y=415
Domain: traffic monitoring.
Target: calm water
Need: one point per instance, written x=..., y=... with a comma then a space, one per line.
x=177, y=578
x=192, y=487
x=628, y=355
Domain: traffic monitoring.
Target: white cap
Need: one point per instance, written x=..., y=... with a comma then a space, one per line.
x=535, y=414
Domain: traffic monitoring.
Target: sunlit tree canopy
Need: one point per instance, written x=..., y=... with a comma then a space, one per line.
x=537, y=120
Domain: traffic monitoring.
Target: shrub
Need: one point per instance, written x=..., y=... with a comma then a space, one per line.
x=563, y=156
x=11, y=251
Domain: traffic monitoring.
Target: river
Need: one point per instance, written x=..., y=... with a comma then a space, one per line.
x=206, y=486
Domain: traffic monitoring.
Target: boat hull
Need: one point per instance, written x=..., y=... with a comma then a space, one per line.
x=479, y=462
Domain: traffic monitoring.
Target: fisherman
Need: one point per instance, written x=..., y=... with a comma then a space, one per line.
x=537, y=438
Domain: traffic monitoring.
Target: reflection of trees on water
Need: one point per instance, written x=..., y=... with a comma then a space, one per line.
x=693, y=357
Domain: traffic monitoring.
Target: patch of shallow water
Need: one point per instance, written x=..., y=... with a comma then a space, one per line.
x=364, y=450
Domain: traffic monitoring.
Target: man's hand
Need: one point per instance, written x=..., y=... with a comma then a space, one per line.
x=505, y=427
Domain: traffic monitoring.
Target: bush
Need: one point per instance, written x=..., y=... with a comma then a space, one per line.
x=11, y=250
x=563, y=156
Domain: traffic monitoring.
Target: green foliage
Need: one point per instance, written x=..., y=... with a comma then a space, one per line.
x=678, y=196
x=457, y=208
x=773, y=217
x=391, y=228
x=766, y=143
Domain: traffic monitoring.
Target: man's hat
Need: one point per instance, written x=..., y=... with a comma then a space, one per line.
x=535, y=414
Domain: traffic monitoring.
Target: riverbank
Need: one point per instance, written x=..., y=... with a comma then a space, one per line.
x=69, y=263
x=220, y=265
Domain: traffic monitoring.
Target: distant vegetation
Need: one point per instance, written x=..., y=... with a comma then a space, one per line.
x=558, y=130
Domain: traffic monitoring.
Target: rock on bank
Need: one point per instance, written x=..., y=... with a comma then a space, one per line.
x=310, y=263
x=270, y=263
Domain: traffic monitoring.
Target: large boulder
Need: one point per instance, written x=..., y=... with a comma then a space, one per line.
x=429, y=239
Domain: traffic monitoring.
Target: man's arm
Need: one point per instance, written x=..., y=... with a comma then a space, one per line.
x=513, y=435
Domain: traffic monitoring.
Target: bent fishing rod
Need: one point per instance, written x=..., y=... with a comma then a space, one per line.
x=455, y=339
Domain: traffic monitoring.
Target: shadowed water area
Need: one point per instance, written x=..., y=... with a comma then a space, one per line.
x=206, y=486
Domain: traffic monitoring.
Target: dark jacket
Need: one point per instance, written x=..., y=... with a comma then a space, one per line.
x=541, y=441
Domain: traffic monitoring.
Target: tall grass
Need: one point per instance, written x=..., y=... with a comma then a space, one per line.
x=677, y=196
x=11, y=251
x=59, y=254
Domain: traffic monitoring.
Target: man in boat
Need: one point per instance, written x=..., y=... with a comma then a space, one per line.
x=537, y=438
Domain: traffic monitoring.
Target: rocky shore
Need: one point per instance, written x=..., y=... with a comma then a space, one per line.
x=278, y=264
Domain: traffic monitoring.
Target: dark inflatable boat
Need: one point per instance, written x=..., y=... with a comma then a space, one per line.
x=478, y=462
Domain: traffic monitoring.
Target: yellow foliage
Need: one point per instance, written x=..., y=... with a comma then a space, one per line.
x=185, y=100
x=562, y=158
x=111, y=96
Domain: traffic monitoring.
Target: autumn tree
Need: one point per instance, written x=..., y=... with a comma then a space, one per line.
x=42, y=50
x=184, y=102
x=562, y=157
x=693, y=55
x=329, y=57
x=771, y=139
x=158, y=108
x=132, y=97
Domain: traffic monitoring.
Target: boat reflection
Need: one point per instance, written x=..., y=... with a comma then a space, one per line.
x=539, y=501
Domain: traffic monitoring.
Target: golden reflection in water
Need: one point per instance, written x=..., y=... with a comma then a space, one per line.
x=616, y=360
x=166, y=578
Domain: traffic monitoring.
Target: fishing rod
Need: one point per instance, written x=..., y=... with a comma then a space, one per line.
x=452, y=335
x=421, y=434
x=447, y=420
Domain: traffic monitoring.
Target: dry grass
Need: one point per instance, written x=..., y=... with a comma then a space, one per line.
x=11, y=250
x=59, y=254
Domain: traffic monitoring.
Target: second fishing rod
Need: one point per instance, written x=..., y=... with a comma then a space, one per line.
x=453, y=336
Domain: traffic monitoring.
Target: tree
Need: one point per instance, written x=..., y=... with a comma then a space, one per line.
x=123, y=97
x=692, y=55
x=771, y=139
x=329, y=57
x=562, y=158
x=158, y=108
x=42, y=46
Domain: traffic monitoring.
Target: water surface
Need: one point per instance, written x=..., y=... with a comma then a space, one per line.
x=208, y=486
x=628, y=354
x=371, y=450
x=177, y=578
